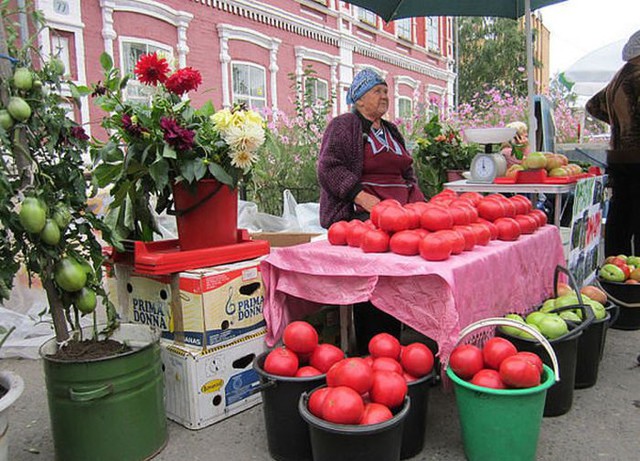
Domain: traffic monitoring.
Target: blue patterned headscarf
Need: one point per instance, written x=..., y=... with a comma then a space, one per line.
x=363, y=82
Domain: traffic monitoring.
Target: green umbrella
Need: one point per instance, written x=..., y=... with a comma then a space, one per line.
x=390, y=10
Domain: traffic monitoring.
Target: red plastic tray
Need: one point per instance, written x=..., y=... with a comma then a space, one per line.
x=165, y=257
x=540, y=177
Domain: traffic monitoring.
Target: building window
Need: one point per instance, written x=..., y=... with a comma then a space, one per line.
x=367, y=17
x=433, y=37
x=131, y=53
x=317, y=88
x=405, y=108
x=403, y=29
x=249, y=83
x=60, y=49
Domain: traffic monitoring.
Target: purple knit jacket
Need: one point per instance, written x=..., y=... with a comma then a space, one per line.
x=340, y=167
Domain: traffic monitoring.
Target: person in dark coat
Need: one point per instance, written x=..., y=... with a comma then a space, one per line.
x=618, y=104
x=363, y=160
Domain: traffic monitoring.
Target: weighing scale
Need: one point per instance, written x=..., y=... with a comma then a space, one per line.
x=487, y=165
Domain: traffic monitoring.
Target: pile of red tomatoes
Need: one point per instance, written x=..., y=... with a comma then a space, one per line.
x=446, y=225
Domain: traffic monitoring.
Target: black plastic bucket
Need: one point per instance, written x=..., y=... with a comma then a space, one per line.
x=415, y=423
x=287, y=433
x=627, y=298
x=590, y=347
x=341, y=442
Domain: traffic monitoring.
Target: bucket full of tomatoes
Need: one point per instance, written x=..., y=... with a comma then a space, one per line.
x=500, y=392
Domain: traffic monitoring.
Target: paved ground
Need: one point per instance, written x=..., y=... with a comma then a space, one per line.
x=604, y=423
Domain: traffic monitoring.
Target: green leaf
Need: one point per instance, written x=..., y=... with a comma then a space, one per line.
x=106, y=61
x=218, y=172
x=159, y=171
x=106, y=174
x=169, y=152
x=206, y=110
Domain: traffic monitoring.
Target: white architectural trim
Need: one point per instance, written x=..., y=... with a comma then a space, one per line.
x=408, y=81
x=332, y=61
x=177, y=18
x=228, y=32
x=382, y=73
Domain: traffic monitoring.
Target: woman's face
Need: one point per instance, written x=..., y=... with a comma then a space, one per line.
x=375, y=102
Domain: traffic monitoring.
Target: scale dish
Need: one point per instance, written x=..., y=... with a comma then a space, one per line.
x=488, y=135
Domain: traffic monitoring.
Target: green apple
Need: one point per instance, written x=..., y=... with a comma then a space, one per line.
x=611, y=273
x=553, y=327
x=534, y=317
x=526, y=335
x=570, y=315
x=534, y=160
x=548, y=305
x=623, y=257
x=633, y=260
x=598, y=309
x=567, y=300
x=513, y=331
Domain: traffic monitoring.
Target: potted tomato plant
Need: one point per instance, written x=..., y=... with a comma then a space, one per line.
x=98, y=374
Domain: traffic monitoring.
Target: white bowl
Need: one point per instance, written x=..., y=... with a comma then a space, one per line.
x=489, y=135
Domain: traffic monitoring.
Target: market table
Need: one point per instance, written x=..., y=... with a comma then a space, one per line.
x=437, y=299
x=558, y=190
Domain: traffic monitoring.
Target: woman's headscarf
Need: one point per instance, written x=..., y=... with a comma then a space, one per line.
x=632, y=48
x=363, y=82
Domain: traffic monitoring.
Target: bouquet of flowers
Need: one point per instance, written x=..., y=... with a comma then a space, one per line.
x=152, y=146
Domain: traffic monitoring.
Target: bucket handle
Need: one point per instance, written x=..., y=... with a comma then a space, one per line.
x=264, y=386
x=616, y=301
x=587, y=312
x=176, y=212
x=501, y=321
x=86, y=395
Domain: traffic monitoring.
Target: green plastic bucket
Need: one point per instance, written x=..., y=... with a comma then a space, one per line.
x=501, y=424
x=112, y=408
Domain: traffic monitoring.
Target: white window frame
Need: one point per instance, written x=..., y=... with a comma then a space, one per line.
x=405, y=100
x=248, y=97
x=316, y=81
x=133, y=85
x=367, y=17
x=401, y=29
x=433, y=33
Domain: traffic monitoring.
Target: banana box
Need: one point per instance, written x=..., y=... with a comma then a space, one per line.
x=204, y=386
x=201, y=307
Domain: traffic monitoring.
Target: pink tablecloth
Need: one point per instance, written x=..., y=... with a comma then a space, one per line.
x=437, y=299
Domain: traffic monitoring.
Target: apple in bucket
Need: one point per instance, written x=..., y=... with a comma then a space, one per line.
x=612, y=273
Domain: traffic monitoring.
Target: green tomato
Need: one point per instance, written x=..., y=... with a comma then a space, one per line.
x=70, y=275
x=22, y=79
x=57, y=67
x=6, y=121
x=50, y=234
x=33, y=215
x=62, y=215
x=86, y=300
x=19, y=109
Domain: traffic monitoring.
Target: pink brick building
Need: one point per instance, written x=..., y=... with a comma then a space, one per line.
x=247, y=49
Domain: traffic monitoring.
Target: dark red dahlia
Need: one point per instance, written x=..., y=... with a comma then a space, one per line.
x=183, y=81
x=151, y=70
x=179, y=138
x=134, y=129
x=78, y=133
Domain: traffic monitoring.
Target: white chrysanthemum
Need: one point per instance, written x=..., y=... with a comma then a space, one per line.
x=248, y=137
x=242, y=158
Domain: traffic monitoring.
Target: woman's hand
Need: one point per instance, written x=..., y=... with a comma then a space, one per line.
x=366, y=200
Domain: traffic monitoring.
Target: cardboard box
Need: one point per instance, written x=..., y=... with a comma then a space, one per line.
x=202, y=307
x=203, y=387
x=283, y=239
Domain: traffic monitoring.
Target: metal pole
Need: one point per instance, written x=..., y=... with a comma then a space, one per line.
x=24, y=26
x=530, y=83
x=456, y=44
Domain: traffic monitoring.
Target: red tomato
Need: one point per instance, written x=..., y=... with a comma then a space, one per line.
x=388, y=388
x=356, y=231
x=521, y=206
x=456, y=238
x=434, y=248
x=384, y=345
x=307, y=371
x=528, y=224
x=459, y=215
x=375, y=241
x=409, y=378
x=435, y=218
x=369, y=224
x=492, y=228
x=375, y=210
x=417, y=359
x=519, y=372
x=387, y=364
x=526, y=203
x=342, y=405
x=316, y=399
x=353, y=372
x=508, y=229
x=324, y=356
x=418, y=207
x=469, y=236
x=337, y=233
x=495, y=350
x=394, y=219
x=473, y=197
x=483, y=234
x=533, y=358
x=414, y=217
x=488, y=378
x=466, y=360
x=490, y=209
x=405, y=243
x=375, y=413
x=540, y=216
x=281, y=362
x=421, y=232
x=510, y=208
x=300, y=337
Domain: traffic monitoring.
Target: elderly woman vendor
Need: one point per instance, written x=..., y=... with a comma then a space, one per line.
x=362, y=161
